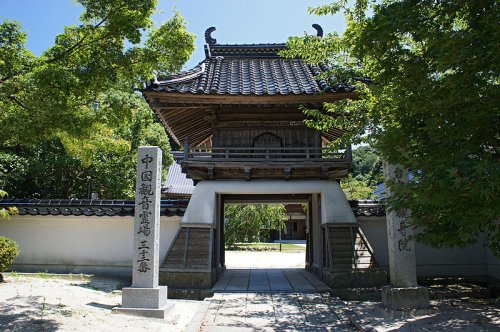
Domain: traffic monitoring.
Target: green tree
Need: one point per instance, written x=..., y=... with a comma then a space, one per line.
x=367, y=165
x=431, y=105
x=356, y=189
x=246, y=223
x=7, y=212
x=48, y=170
x=366, y=175
x=79, y=99
x=8, y=248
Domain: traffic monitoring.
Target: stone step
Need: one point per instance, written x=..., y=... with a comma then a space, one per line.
x=198, y=249
x=197, y=255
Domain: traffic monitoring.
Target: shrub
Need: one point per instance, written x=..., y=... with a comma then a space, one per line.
x=8, y=252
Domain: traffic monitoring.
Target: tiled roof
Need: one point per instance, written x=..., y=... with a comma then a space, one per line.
x=177, y=182
x=87, y=207
x=367, y=208
x=171, y=207
x=255, y=69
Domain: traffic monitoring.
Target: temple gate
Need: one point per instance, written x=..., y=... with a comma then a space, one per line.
x=237, y=117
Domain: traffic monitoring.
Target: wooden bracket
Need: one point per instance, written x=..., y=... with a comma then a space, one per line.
x=287, y=170
x=247, y=171
x=210, y=170
x=324, y=173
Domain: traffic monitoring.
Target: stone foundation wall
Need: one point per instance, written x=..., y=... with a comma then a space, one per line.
x=189, y=280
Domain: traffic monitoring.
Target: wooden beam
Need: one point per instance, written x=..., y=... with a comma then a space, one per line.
x=203, y=99
x=265, y=198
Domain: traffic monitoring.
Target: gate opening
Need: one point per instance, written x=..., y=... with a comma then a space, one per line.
x=266, y=243
x=271, y=235
x=264, y=231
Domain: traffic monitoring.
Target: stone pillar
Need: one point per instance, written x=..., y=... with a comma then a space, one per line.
x=403, y=291
x=145, y=297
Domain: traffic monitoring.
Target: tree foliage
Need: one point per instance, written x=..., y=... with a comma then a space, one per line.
x=357, y=189
x=430, y=104
x=8, y=247
x=367, y=165
x=247, y=223
x=366, y=175
x=48, y=170
x=7, y=212
x=8, y=252
x=77, y=104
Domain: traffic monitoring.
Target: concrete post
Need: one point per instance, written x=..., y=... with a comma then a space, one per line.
x=403, y=291
x=145, y=297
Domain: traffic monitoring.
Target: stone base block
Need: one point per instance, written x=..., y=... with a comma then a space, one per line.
x=405, y=298
x=147, y=302
x=145, y=298
x=146, y=312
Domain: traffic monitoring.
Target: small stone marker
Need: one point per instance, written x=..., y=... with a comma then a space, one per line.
x=145, y=297
x=403, y=291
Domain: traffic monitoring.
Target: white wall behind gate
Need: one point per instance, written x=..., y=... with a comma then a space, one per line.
x=104, y=245
x=70, y=244
x=473, y=260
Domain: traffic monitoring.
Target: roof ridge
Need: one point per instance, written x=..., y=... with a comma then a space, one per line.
x=183, y=76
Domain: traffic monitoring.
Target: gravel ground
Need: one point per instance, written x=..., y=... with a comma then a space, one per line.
x=463, y=314
x=45, y=302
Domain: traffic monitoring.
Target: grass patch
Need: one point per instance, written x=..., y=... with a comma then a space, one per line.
x=45, y=275
x=286, y=247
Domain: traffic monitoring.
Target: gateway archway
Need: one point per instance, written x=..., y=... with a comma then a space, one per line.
x=238, y=117
x=196, y=258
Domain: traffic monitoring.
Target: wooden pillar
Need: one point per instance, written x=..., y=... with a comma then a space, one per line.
x=186, y=148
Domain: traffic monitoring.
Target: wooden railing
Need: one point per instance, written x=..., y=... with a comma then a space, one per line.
x=265, y=154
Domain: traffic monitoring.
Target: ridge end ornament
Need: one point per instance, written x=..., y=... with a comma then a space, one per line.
x=319, y=30
x=208, y=36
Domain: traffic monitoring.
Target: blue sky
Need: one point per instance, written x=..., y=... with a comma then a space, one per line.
x=237, y=21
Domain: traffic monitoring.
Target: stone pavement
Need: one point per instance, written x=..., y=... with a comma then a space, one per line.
x=274, y=280
x=275, y=312
x=273, y=300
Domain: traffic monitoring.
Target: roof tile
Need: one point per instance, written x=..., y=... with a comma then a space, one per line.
x=255, y=69
x=76, y=207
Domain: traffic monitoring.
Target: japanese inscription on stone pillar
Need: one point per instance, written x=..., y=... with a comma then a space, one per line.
x=147, y=217
x=402, y=261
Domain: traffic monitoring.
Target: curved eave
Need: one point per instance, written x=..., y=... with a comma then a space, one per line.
x=182, y=114
x=170, y=99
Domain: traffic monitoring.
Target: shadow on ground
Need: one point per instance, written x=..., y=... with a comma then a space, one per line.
x=31, y=315
x=105, y=284
x=444, y=315
x=276, y=312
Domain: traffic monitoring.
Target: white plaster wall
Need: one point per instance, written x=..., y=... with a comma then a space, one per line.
x=82, y=244
x=375, y=231
x=334, y=205
x=473, y=260
x=103, y=245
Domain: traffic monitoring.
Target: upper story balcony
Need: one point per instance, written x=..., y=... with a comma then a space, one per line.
x=240, y=109
x=210, y=163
